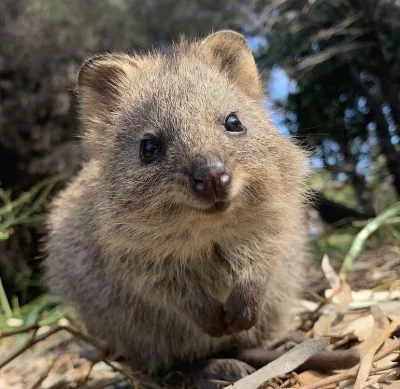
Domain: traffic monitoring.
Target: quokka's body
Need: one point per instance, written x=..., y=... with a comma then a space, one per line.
x=183, y=234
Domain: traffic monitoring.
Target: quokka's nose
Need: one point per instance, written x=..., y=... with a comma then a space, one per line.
x=210, y=178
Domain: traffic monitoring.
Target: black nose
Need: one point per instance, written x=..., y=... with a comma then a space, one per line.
x=210, y=178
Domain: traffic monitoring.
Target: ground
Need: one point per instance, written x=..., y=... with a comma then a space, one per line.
x=363, y=316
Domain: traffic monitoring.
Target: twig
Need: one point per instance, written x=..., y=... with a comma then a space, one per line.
x=286, y=363
x=379, y=378
x=105, y=383
x=33, y=340
x=343, y=376
x=383, y=368
x=366, y=362
x=44, y=375
x=353, y=372
x=86, y=338
x=18, y=331
x=342, y=342
x=388, y=350
x=77, y=334
x=86, y=379
x=19, y=350
x=33, y=316
x=121, y=370
x=313, y=316
x=290, y=381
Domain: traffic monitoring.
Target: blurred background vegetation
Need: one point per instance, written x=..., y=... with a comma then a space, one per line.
x=332, y=68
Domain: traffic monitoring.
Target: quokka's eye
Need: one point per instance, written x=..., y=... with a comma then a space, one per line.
x=150, y=149
x=233, y=124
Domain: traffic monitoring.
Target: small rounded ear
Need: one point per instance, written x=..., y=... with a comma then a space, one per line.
x=100, y=75
x=102, y=81
x=229, y=51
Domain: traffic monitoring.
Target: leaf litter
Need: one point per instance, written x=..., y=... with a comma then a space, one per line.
x=348, y=339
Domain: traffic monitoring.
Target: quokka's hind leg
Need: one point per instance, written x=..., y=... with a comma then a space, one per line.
x=213, y=373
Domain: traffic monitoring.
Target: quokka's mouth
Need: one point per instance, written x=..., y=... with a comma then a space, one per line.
x=217, y=207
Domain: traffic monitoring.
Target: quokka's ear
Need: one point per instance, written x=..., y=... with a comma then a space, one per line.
x=102, y=81
x=229, y=51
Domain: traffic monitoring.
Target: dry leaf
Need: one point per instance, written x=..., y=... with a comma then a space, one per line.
x=342, y=297
x=309, y=377
x=389, y=358
x=368, y=298
x=322, y=327
x=361, y=328
x=375, y=379
x=287, y=362
x=366, y=362
x=381, y=324
x=391, y=309
x=330, y=274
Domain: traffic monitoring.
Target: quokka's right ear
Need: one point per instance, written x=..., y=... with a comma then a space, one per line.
x=102, y=81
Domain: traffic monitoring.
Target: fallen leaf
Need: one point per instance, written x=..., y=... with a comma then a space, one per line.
x=379, y=378
x=342, y=297
x=322, y=327
x=366, y=362
x=309, y=377
x=391, y=309
x=330, y=273
x=389, y=358
x=287, y=362
x=368, y=298
x=361, y=328
x=381, y=324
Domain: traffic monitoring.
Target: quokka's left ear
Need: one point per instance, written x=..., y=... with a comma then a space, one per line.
x=230, y=52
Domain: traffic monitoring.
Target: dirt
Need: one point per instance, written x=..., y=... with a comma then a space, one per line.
x=358, y=318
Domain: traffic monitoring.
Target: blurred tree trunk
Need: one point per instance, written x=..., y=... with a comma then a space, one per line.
x=385, y=90
x=375, y=102
x=339, y=52
x=363, y=193
x=388, y=84
x=333, y=212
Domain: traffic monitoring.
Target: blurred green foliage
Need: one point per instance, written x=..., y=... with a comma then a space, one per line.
x=25, y=209
x=343, y=57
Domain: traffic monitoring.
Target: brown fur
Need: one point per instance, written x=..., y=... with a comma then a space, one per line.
x=129, y=243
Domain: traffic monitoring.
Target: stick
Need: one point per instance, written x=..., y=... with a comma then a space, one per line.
x=18, y=331
x=287, y=362
x=33, y=340
x=124, y=372
x=43, y=376
x=366, y=362
x=105, y=383
x=18, y=351
x=353, y=372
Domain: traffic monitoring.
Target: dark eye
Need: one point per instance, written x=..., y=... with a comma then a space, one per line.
x=150, y=149
x=233, y=124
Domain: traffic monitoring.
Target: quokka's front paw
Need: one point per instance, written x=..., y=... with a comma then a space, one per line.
x=240, y=311
x=209, y=316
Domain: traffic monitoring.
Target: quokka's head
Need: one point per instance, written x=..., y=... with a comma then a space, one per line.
x=185, y=134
